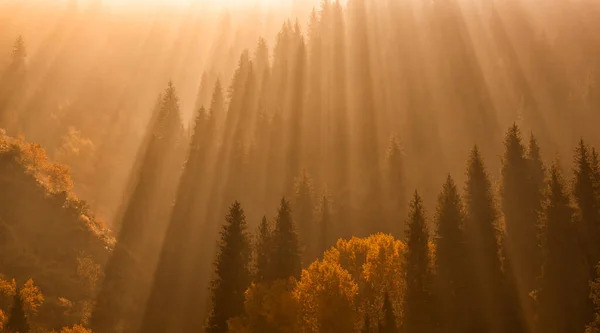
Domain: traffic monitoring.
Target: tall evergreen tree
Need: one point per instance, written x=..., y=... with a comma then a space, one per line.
x=263, y=250
x=396, y=186
x=451, y=265
x=129, y=271
x=419, y=302
x=285, y=255
x=481, y=235
x=17, y=320
x=232, y=271
x=520, y=204
x=388, y=323
x=563, y=297
x=303, y=214
x=325, y=227
x=588, y=204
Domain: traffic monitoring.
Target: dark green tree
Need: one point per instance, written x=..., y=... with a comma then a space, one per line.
x=232, y=268
x=303, y=214
x=17, y=319
x=419, y=301
x=451, y=265
x=262, y=250
x=520, y=204
x=563, y=297
x=388, y=322
x=325, y=228
x=588, y=204
x=285, y=255
x=481, y=236
x=395, y=186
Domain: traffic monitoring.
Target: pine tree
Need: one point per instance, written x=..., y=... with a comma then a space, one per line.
x=144, y=220
x=588, y=204
x=285, y=255
x=418, y=302
x=325, y=227
x=564, y=291
x=450, y=257
x=520, y=213
x=217, y=105
x=232, y=271
x=396, y=183
x=263, y=250
x=485, y=272
x=303, y=214
x=17, y=320
x=388, y=324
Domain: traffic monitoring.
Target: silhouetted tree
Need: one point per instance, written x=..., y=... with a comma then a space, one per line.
x=564, y=285
x=263, y=250
x=285, y=255
x=303, y=214
x=396, y=185
x=520, y=203
x=486, y=280
x=325, y=225
x=418, y=303
x=232, y=271
x=451, y=265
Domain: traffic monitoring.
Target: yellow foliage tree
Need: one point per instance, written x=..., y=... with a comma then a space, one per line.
x=268, y=307
x=376, y=266
x=75, y=329
x=32, y=297
x=3, y=319
x=326, y=296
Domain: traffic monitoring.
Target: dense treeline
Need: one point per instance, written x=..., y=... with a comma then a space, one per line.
x=337, y=122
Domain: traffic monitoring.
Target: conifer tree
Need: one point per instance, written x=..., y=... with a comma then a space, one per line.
x=485, y=271
x=388, y=323
x=217, y=105
x=396, y=184
x=367, y=323
x=519, y=205
x=303, y=214
x=232, y=271
x=450, y=257
x=17, y=319
x=564, y=292
x=418, y=301
x=144, y=220
x=587, y=200
x=263, y=250
x=285, y=255
x=325, y=227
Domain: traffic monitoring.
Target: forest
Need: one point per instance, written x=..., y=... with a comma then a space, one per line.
x=262, y=166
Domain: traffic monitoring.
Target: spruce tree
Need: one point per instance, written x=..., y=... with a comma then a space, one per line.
x=285, y=254
x=144, y=220
x=263, y=250
x=451, y=265
x=17, y=319
x=564, y=291
x=588, y=204
x=303, y=214
x=481, y=236
x=418, y=301
x=388, y=323
x=232, y=271
x=325, y=227
x=520, y=213
x=396, y=186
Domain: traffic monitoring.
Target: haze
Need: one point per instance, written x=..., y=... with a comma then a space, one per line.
x=242, y=166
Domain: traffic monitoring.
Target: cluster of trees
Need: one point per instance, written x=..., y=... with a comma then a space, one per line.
x=519, y=259
x=313, y=120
